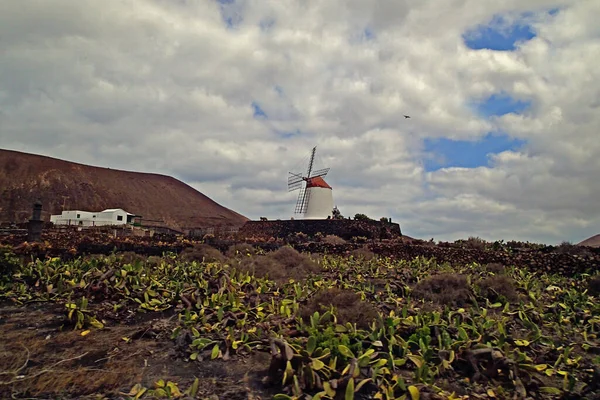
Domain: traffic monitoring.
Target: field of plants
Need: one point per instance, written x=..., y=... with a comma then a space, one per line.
x=245, y=323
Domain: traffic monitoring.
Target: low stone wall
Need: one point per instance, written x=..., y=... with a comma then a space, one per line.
x=344, y=228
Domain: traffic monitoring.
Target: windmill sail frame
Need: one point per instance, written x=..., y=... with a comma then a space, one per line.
x=295, y=182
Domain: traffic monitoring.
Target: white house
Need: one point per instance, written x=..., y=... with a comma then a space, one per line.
x=111, y=216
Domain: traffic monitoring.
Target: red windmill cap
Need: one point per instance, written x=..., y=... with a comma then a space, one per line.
x=317, y=181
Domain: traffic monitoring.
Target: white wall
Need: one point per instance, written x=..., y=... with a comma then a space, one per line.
x=320, y=203
x=87, y=218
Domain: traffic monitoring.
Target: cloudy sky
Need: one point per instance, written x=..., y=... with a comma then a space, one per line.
x=230, y=95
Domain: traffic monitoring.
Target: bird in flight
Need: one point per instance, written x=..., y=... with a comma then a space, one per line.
x=407, y=116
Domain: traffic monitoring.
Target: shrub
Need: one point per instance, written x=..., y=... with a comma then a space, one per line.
x=202, y=252
x=444, y=289
x=475, y=243
x=495, y=268
x=361, y=217
x=363, y=253
x=280, y=265
x=594, y=286
x=333, y=239
x=348, y=307
x=498, y=288
x=571, y=249
x=9, y=263
x=297, y=238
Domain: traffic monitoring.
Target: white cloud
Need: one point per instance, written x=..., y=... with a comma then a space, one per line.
x=165, y=86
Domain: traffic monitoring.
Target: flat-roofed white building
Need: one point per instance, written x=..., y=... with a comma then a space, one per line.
x=110, y=216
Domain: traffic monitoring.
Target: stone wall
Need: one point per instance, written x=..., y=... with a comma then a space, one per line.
x=344, y=228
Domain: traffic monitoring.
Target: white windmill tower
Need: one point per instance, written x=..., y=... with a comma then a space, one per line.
x=315, y=200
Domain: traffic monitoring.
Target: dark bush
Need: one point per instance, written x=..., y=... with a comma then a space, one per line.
x=594, y=286
x=333, y=239
x=9, y=263
x=444, y=289
x=475, y=243
x=348, y=307
x=498, y=288
x=362, y=253
x=280, y=265
x=496, y=268
x=572, y=249
x=202, y=252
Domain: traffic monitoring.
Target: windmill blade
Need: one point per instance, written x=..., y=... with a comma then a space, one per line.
x=312, y=160
x=294, y=181
x=320, y=172
x=305, y=200
x=294, y=176
x=294, y=186
x=300, y=204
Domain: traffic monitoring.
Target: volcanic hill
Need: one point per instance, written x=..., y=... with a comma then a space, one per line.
x=593, y=241
x=25, y=178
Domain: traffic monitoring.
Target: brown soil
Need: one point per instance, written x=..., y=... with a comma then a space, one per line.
x=39, y=359
x=26, y=177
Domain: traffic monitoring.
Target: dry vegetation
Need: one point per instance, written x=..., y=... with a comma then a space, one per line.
x=348, y=307
x=202, y=253
x=252, y=324
x=363, y=253
x=594, y=286
x=280, y=265
x=333, y=239
x=498, y=288
x=444, y=289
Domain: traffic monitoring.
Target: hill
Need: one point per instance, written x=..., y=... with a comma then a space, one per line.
x=593, y=241
x=24, y=178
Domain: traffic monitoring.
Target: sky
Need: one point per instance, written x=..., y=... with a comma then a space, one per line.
x=231, y=95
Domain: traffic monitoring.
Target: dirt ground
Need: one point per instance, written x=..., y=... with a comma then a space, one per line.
x=41, y=358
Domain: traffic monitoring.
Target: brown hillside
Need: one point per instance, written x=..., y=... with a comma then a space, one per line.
x=26, y=177
x=594, y=241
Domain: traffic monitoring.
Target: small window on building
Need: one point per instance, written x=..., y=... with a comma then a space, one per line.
x=78, y=215
x=119, y=218
x=93, y=216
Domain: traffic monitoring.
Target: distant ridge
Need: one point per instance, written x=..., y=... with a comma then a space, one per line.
x=26, y=177
x=593, y=241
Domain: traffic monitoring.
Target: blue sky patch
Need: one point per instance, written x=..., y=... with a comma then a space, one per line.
x=554, y=11
x=288, y=134
x=230, y=13
x=258, y=111
x=498, y=35
x=368, y=34
x=444, y=152
x=500, y=104
x=266, y=24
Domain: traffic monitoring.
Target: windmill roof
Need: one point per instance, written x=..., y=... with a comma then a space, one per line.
x=317, y=181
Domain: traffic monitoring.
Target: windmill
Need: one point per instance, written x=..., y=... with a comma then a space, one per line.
x=315, y=199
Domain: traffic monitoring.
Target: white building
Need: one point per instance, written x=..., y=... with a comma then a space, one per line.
x=111, y=216
x=319, y=199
